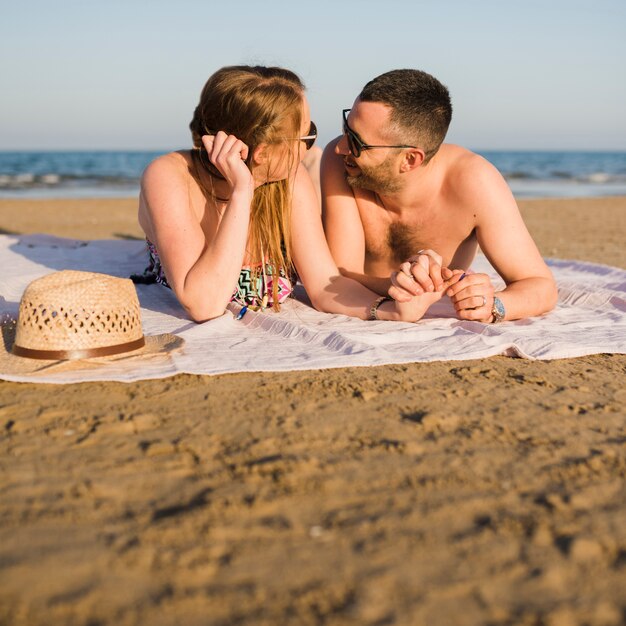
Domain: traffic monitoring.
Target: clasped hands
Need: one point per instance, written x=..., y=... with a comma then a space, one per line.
x=422, y=280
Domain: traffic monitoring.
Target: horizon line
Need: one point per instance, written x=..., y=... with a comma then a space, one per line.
x=166, y=150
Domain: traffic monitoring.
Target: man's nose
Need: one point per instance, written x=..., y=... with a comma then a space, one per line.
x=341, y=147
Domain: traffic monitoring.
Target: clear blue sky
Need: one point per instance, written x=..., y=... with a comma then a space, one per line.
x=126, y=74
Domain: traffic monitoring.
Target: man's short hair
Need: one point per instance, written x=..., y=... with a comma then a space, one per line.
x=421, y=106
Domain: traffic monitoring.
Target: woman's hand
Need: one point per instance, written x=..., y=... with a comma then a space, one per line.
x=415, y=307
x=229, y=155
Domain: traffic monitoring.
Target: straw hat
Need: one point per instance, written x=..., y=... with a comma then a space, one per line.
x=72, y=315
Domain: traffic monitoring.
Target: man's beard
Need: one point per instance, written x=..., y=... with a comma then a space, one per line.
x=379, y=179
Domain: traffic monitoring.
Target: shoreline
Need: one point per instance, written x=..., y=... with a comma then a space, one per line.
x=467, y=492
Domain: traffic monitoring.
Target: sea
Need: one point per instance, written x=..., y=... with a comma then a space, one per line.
x=81, y=174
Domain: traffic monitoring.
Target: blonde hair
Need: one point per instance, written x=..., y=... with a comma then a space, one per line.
x=258, y=105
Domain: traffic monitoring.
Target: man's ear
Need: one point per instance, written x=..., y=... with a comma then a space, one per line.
x=412, y=159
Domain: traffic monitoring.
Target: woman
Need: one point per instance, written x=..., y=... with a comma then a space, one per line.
x=233, y=218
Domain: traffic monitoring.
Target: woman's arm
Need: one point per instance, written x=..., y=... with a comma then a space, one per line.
x=201, y=273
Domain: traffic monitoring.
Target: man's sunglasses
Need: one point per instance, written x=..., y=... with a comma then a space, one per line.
x=355, y=144
x=309, y=139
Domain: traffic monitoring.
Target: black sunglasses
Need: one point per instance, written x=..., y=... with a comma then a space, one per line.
x=355, y=143
x=309, y=139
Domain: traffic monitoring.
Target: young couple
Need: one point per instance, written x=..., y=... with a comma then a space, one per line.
x=237, y=217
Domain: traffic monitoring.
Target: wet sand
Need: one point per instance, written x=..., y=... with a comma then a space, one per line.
x=479, y=492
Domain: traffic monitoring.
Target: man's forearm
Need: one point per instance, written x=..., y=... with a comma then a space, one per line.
x=528, y=297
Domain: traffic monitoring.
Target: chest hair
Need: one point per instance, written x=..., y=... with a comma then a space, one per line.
x=402, y=242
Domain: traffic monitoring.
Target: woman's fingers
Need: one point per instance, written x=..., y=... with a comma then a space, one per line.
x=207, y=142
x=431, y=262
x=399, y=294
x=405, y=280
x=437, y=258
x=418, y=271
x=228, y=154
x=405, y=284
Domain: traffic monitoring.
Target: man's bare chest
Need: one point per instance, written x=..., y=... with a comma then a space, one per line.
x=390, y=240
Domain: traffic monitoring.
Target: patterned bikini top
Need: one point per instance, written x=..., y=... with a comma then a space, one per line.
x=252, y=285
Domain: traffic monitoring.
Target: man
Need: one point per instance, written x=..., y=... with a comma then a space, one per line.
x=402, y=209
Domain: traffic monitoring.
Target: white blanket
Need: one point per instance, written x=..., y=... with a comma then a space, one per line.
x=590, y=318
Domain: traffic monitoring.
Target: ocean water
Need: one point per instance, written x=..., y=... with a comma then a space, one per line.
x=561, y=174
x=73, y=174
x=116, y=174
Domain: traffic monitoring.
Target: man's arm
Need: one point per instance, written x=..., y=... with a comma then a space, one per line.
x=342, y=222
x=507, y=244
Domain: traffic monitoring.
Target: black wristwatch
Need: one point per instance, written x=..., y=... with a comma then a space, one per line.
x=497, y=310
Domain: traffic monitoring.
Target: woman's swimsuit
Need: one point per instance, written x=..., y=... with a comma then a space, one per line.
x=252, y=285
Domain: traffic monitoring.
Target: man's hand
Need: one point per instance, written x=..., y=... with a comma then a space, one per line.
x=472, y=297
x=420, y=274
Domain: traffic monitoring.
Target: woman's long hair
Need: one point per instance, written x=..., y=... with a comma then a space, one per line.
x=258, y=105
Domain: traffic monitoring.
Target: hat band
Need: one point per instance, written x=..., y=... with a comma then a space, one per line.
x=54, y=355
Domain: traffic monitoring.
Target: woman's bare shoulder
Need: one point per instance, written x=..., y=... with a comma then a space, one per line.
x=165, y=187
x=171, y=164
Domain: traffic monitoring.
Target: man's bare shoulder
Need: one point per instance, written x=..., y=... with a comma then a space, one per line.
x=469, y=175
x=464, y=166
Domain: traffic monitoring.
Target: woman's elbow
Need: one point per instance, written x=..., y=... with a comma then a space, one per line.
x=554, y=296
x=320, y=301
x=201, y=311
x=199, y=314
x=551, y=295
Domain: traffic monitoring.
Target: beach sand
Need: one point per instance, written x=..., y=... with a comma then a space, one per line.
x=484, y=492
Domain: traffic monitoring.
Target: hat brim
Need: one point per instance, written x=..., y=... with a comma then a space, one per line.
x=156, y=346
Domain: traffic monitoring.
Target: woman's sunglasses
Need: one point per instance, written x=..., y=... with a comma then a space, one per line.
x=355, y=144
x=309, y=139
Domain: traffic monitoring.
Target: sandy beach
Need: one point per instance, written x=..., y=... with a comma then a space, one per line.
x=485, y=492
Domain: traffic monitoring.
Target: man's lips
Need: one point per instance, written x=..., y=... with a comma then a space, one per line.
x=349, y=164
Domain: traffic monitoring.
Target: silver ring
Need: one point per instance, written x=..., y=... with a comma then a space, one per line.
x=484, y=301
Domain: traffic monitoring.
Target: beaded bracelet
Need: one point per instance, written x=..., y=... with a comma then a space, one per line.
x=375, y=305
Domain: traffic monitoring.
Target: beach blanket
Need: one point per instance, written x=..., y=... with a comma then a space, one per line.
x=590, y=318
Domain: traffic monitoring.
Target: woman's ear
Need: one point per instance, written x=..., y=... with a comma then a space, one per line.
x=260, y=154
x=412, y=159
